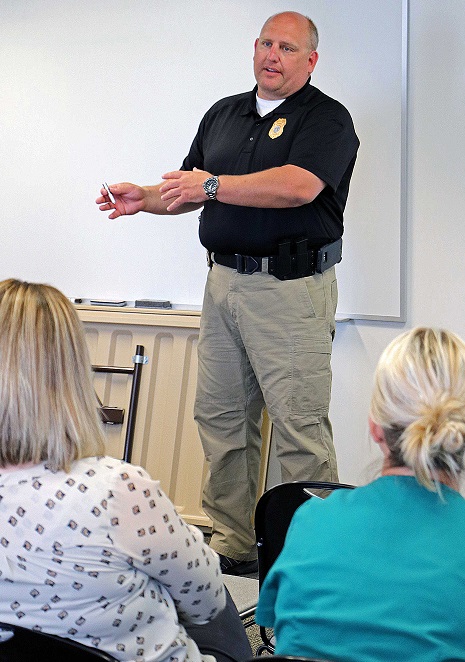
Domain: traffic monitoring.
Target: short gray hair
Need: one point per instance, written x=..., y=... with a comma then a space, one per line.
x=312, y=29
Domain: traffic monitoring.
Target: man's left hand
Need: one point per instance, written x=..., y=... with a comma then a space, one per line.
x=184, y=186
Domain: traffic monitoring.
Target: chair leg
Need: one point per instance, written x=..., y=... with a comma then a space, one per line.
x=263, y=649
x=268, y=643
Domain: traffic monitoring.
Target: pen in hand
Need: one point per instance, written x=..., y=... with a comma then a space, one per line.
x=110, y=194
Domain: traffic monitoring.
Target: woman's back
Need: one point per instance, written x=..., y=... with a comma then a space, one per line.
x=100, y=554
x=371, y=575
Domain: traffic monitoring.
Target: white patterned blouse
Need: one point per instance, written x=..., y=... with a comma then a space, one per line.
x=101, y=555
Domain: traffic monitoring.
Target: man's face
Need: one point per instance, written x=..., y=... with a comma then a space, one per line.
x=283, y=58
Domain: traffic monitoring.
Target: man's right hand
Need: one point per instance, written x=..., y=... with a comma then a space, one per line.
x=129, y=199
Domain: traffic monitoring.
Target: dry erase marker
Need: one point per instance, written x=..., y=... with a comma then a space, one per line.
x=108, y=302
x=110, y=194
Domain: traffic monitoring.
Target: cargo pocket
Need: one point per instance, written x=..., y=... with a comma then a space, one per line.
x=311, y=371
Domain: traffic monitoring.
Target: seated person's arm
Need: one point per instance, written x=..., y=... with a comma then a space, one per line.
x=168, y=549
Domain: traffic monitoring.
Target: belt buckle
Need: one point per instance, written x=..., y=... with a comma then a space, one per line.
x=246, y=264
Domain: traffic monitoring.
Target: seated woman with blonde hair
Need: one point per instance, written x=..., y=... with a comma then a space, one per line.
x=378, y=573
x=90, y=546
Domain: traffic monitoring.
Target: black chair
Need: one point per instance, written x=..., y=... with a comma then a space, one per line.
x=273, y=514
x=18, y=644
x=289, y=658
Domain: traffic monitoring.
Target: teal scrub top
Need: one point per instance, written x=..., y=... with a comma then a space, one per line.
x=371, y=575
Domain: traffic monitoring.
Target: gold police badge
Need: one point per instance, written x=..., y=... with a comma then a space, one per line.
x=277, y=128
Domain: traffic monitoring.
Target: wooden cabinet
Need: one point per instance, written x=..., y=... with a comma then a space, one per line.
x=166, y=441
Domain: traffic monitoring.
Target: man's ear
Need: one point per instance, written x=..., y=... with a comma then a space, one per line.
x=312, y=60
x=376, y=432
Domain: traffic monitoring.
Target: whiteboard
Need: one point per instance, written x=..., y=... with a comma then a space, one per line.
x=115, y=89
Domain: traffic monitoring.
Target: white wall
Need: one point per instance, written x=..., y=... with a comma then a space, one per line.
x=436, y=220
x=115, y=90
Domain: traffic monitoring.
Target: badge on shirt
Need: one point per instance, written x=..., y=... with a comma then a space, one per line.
x=277, y=128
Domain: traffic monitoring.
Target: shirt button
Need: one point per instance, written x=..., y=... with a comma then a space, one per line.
x=251, y=138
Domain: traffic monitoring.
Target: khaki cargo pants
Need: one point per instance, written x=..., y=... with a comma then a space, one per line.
x=262, y=342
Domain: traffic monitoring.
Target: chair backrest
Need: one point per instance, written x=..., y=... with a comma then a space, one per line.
x=18, y=643
x=273, y=515
x=288, y=658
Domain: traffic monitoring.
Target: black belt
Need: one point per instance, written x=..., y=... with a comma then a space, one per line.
x=286, y=265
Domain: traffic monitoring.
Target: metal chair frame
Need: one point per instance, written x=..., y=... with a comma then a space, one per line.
x=139, y=360
x=289, y=658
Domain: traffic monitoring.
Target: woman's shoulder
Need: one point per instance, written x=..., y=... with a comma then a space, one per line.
x=384, y=494
x=110, y=469
x=343, y=500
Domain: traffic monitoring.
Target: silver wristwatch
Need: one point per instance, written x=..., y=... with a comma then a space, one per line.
x=210, y=186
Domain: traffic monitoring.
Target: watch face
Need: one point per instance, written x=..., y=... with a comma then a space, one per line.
x=210, y=186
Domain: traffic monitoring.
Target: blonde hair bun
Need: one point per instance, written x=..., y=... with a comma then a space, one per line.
x=419, y=401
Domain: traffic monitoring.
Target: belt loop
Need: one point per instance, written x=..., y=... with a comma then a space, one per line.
x=302, y=256
x=240, y=261
x=284, y=264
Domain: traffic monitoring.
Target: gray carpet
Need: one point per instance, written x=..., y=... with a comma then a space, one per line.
x=253, y=635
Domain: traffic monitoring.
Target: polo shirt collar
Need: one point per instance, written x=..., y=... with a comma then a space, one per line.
x=287, y=106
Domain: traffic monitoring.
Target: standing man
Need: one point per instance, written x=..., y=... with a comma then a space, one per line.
x=271, y=169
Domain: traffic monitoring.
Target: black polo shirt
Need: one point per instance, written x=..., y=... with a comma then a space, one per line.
x=311, y=131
